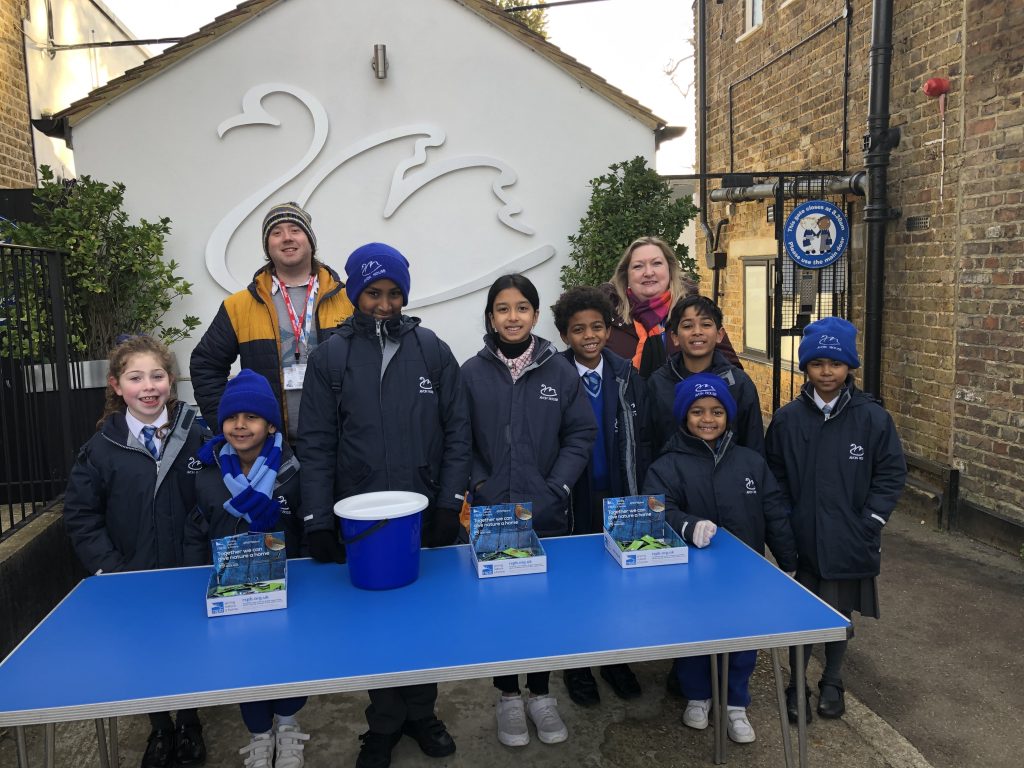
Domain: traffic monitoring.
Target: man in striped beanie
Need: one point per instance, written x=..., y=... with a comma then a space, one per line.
x=272, y=325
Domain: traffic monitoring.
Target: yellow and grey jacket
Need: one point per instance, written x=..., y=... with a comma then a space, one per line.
x=246, y=328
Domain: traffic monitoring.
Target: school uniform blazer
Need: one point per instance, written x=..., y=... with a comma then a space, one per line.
x=842, y=478
x=731, y=486
x=123, y=510
x=209, y=520
x=246, y=328
x=389, y=428
x=748, y=429
x=531, y=438
x=626, y=436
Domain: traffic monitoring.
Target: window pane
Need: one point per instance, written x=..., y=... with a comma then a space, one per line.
x=756, y=12
x=755, y=307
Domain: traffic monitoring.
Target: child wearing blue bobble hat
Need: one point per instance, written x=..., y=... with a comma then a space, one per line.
x=383, y=409
x=839, y=461
x=250, y=482
x=710, y=481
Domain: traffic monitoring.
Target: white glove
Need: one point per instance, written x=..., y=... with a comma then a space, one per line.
x=703, y=532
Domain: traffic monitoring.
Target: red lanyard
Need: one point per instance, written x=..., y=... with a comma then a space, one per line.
x=300, y=329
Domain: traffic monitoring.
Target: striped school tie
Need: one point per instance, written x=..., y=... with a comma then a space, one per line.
x=147, y=439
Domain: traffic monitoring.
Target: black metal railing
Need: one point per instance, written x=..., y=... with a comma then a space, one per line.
x=38, y=433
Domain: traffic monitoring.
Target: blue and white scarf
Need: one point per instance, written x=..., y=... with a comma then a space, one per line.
x=252, y=495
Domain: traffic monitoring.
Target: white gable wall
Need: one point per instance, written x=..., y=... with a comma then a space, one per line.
x=451, y=72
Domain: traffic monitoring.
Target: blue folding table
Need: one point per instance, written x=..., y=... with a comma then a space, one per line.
x=131, y=643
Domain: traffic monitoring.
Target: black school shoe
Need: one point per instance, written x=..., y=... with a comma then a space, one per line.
x=159, y=749
x=792, y=713
x=831, y=702
x=376, y=749
x=431, y=735
x=622, y=680
x=189, y=748
x=582, y=687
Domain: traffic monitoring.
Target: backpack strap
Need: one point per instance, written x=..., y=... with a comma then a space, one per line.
x=337, y=357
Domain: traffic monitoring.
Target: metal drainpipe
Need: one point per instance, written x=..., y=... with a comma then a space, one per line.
x=853, y=184
x=878, y=142
x=702, y=89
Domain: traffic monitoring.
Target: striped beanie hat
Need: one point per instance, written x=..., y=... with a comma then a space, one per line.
x=289, y=213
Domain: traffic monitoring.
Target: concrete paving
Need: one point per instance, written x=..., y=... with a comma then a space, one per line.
x=936, y=683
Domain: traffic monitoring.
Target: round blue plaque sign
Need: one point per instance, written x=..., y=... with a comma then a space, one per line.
x=816, y=234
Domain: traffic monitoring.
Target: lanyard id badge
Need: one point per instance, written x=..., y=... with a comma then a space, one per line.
x=301, y=330
x=294, y=376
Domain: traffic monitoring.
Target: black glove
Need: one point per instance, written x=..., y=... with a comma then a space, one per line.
x=443, y=528
x=325, y=547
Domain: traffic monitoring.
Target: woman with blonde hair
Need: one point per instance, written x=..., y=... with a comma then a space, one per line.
x=646, y=284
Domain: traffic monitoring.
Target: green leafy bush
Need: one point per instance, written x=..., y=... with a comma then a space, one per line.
x=116, y=279
x=629, y=202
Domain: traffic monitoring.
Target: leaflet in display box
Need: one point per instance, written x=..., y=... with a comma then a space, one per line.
x=637, y=535
x=503, y=542
x=250, y=574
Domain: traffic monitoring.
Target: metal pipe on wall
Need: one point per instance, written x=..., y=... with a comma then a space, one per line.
x=879, y=140
x=854, y=184
x=702, y=112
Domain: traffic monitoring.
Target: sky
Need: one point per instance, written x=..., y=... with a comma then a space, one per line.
x=630, y=43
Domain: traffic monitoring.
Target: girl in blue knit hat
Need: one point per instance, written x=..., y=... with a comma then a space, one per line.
x=250, y=482
x=836, y=454
x=709, y=481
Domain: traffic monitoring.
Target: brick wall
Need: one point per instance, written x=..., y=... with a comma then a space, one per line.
x=988, y=409
x=953, y=333
x=16, y=160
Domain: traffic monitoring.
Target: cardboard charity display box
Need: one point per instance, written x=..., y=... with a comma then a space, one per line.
x=637, y=535
x=250, y=573
x=503, y=542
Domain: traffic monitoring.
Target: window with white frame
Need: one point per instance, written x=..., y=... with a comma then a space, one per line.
x=754, y=14
x=813, y=294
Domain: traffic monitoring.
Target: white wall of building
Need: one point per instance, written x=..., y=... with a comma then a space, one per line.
x=58, y=77
x=452, y=74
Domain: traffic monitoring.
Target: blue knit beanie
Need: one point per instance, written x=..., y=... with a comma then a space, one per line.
x=288, y=213
x=830, y=338
x=249, y=392
x=372, y=262
x=700, y=385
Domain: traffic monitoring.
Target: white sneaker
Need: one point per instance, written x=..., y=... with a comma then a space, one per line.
x=260, y=751
x=512, y=730
x=290, y=746
x=739, y=728
x=544, y=713
x=696, y=714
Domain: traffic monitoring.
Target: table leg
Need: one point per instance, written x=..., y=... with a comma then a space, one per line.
x=115, y=757
x=19, y=737
x=50, y=744
x=716, y=701
x=801, y=705
x=723, y=718
x=787, y=744
x=101, y=744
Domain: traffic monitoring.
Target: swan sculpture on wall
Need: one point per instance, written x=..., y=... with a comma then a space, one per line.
x=411, y=175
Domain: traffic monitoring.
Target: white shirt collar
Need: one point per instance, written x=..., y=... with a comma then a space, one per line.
x=135, y=426
x=582, y=369
x=821, y=403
